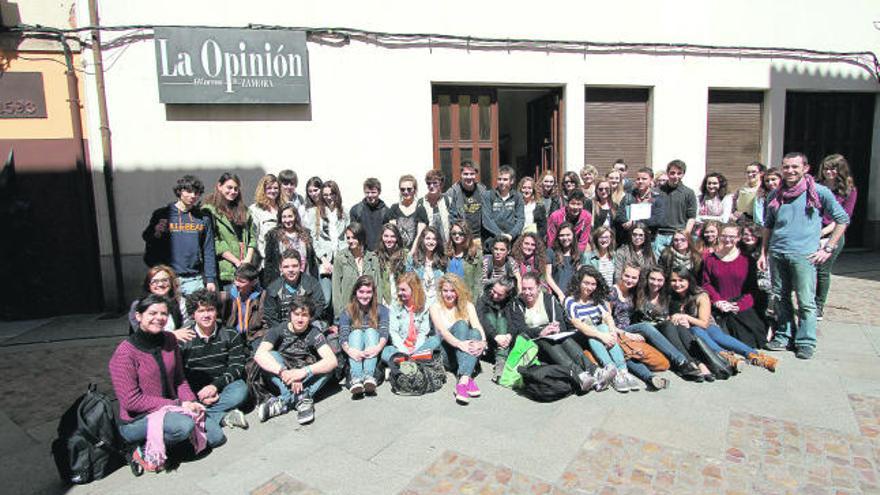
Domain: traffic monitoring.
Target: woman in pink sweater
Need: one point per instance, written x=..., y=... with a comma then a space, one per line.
x=147, y=374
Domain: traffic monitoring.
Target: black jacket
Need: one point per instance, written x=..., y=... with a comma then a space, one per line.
x=371, y=217
x=277, y=304
x=485, y=305
x=554, y=313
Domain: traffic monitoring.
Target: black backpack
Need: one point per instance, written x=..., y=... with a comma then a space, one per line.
x=88, y=443
x=548, y=382
x=416, y=376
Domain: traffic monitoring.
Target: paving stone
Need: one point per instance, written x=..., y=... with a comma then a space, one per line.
x=284, y=484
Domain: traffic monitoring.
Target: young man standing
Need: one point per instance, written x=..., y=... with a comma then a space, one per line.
x=370, y=212
x=574, y=213
x=296, y=358
x=437, y=206
x=681, y=206
x=213, y=363
x=620, y=167
x=289, y=180
x=793, y=222
x=181, y=235
x=642, y=193
x=292, y=283
x=503, y=208
x=466, y=197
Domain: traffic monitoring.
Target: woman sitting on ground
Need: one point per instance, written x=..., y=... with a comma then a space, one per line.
x=409, y=324
x=637, y=251
x=363, y=333
x=143, y=387
x=588, y=311
x=622, y=298
x=455, y=317
x=691, y=308
x=681, y=254
x=541, y=315
x=652, y=306
x=730, y=279
x=465, y=257
x=162, y=281
x=563, y=259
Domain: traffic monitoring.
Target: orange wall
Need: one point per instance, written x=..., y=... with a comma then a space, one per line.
x=57, y=124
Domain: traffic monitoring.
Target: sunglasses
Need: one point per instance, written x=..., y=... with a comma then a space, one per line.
x=406, y=189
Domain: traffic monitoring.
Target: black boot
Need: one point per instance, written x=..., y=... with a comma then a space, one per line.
x=717, y=364
x=689, y=370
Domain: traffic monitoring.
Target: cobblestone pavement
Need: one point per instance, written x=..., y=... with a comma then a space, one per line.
x=813, y=427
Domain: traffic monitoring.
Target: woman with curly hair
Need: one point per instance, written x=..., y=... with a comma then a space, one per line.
x=455, y=317
x=465, y=256
x=429, y=261
x=529, y=254
x=233, y=227
x=289, y=234
x=834, y=174
x=589, y=312
x=264, y=211
x=714, y=203
x=392, y=262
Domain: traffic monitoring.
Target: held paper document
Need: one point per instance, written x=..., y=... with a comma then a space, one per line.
x=639, y=211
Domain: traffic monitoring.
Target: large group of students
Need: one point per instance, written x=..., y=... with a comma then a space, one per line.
x=616, y=276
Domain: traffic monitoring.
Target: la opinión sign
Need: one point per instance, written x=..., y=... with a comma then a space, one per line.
x=197, y=65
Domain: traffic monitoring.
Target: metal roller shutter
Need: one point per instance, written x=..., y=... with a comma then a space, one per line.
x=734, y=133
x=616, y=126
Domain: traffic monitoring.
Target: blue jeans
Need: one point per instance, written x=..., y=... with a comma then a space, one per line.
x=605, y=355
x=639, y=370
x=311, y=386
x=794, y=273
x=232, y=396
x=190, y=284
x=660, y=243
x=823, y=275
x=326, y=282
x=177, y=428
x=718, y=341
x=431, y=343
x=360, y=339
x=464, y=363
x=656, y=339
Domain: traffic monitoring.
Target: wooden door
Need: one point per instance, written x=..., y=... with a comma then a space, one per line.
x=465, y=127
x=545, y=143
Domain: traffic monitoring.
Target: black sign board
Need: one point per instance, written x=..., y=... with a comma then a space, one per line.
x=22, y=95
x=196, y=65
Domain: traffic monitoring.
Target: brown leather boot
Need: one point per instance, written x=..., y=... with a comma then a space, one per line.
x=736, y=362
x=763, y=360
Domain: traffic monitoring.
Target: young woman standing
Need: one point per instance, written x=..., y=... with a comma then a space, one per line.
x=289, y=234
x=464, y=256
x=233, y=227
x=264, y=211
x=327, y=222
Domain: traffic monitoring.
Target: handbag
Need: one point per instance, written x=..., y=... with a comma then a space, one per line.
x=524, y=353
x=644, y=353
x=414, y=375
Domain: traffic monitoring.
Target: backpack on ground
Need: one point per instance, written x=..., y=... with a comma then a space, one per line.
x=416, y=375
x=88, y=446
x=524, y=353
x=548, y=382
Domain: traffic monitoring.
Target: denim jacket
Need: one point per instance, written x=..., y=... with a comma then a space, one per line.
x=398, y=326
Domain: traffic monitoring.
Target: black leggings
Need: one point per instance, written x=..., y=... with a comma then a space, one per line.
x=680, y=337
x=566, y=352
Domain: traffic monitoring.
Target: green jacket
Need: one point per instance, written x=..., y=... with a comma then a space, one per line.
x=473, y=276
x=226, y=241
x=345, y=273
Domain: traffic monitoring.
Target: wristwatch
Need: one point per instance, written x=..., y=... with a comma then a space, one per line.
x=828, y=248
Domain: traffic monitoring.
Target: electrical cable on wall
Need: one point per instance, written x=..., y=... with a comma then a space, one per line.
x=340, y=36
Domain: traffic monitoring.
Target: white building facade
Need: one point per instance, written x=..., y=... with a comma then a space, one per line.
x=383, y=106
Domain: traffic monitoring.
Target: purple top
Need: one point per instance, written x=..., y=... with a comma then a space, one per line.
x=137, y=380
x=847, y=202
x=725, y=280
x=621, y=310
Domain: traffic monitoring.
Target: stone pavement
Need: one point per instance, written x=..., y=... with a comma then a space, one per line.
x=812, y=427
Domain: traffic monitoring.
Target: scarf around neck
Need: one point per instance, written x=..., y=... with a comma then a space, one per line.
x=787, y=194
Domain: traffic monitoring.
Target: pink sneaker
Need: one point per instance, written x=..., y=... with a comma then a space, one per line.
x=461, y=394
x=472, y=389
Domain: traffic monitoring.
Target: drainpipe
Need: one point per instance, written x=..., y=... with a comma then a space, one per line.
x=107, y=152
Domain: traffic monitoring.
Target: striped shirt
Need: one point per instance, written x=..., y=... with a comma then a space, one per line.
x=587, y=312
x=216, y=360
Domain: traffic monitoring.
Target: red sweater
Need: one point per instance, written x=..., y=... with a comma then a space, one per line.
x=725, y=280
x=137, y=380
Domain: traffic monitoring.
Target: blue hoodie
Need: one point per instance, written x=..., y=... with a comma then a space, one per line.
x=187, y=245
